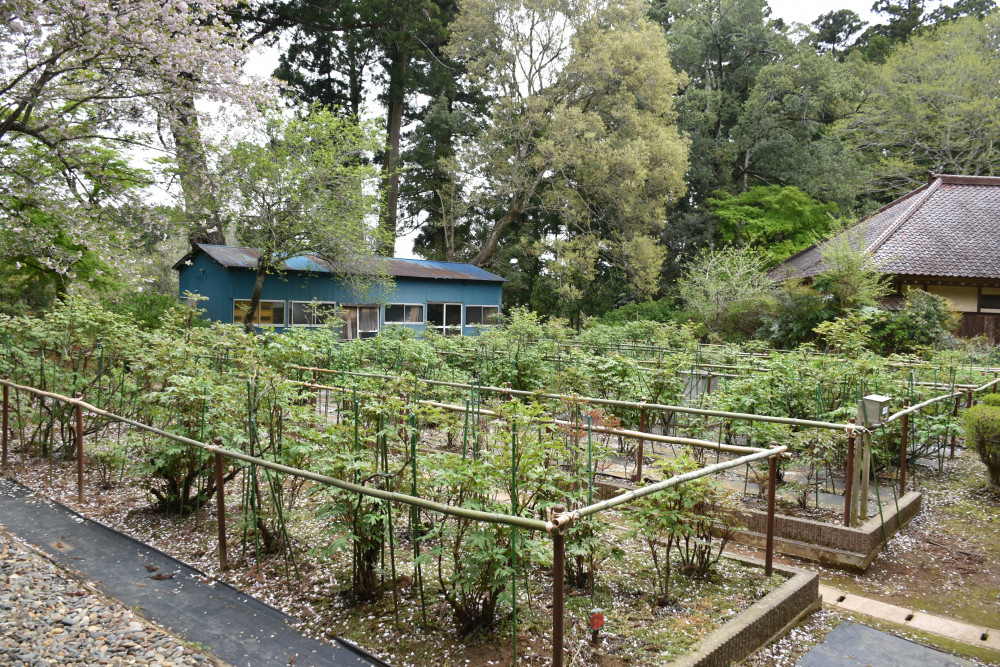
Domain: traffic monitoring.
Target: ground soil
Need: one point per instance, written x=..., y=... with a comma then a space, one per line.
x=636, y=633
x=945, y=562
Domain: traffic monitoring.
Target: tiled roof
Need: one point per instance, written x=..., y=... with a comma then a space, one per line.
x=246, y=258
x=949, y=227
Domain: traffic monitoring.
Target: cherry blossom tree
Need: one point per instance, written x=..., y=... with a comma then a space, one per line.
x=86, y=86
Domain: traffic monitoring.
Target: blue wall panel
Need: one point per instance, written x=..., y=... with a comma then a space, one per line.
x=222, y=285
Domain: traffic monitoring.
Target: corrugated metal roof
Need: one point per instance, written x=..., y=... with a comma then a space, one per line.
x=949, y=228
x=246, y=258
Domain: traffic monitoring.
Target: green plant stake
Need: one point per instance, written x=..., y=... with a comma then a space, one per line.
x=465, y=431
x=590, y=462
x=513, y=529
x=415, y=518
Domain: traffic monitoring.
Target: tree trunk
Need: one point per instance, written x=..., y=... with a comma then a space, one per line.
x=396, y=94
x=200, y=208
x=258, y=285
x=516, y=209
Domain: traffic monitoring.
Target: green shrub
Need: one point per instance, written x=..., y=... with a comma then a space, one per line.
x=982, y=435
x=148, y=310
x=991, y=399
x=798, y=310
x=655, y=311
x=924, y=320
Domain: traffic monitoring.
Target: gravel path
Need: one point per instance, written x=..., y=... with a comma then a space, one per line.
x=48, y=618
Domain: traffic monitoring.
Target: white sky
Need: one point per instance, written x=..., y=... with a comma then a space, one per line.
x=807, y=11
x=793, y=11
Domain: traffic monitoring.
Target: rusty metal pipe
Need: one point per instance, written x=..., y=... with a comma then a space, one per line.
x=6, y=409
x=220, y=503
x=902, y=450
x=849, y=481
x=79, y=449
x=558, y=592
x=772, y=481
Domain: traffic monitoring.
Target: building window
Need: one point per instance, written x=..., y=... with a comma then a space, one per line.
x=989, y=302
x=269, y=313
x=311, y=313
x=404, y=313
x=484, y=315
x=445, y=317
x=358, y=322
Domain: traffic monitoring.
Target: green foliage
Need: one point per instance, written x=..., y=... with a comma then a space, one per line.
x=679, y=521
x=849, y=335
x=934, y=107
x=147, y=309
x=306, y=191
x=991, y=400
x=923, y=320
x=777, y=220
x=850, y=274
x=581, y=127
x=729, y=289
x=798, y=310
x=982, y=433
x=661, y=310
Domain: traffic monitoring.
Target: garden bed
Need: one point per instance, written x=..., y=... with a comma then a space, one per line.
x=826, y=542
x=730, y=613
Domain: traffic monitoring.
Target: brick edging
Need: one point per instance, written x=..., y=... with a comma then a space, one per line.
x=825, y=542
x=761, y=623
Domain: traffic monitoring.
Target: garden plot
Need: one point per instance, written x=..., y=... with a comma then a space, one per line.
x=489, y=445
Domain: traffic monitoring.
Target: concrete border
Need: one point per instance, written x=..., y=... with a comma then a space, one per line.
x=853, y=548
x=760, y=624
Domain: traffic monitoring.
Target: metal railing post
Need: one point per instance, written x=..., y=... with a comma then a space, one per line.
x=902, y=450
x=79, y=448
x=772, y=481
x=642, y=442
x=849, y=480
x=558, y=583
x=220, y=493
x=6, y=409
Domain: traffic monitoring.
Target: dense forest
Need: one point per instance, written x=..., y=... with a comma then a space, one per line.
x=587, y=151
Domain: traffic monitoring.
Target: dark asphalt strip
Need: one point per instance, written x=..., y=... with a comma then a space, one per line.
x=235, y=627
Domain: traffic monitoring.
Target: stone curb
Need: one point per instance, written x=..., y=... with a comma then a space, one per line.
x=853, y=548
x=763, y=622
x=967, y=633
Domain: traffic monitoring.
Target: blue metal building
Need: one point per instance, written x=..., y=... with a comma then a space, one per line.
x=448, y=296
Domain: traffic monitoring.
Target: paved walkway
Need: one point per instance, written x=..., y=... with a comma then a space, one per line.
x=49, y=618
x=235, y=627
x=853, y=645
x=967, y=633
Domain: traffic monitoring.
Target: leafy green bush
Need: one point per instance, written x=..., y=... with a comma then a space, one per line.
x=679, y=521
x=147, y=310
x=798, y=310
x=991, y=399
x=655, y=311
x=982, y=435
x=730, y=289
x=924, y=320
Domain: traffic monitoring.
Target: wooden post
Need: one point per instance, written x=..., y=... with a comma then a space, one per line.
x=866, y=472
x=849, y=478
x=639, y=452
x=902, y=449
x=220, y=495
x=855, y=496
x=6, y=410
x=558, y=582
x=954, y=415
x=79, y=449
x=772, y=481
